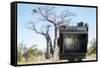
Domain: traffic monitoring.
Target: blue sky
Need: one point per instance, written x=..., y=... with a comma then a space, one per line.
x=24, y=16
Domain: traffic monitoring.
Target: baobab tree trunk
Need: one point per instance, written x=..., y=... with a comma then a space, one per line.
x=55, y=37
x=49, y=50
x=55, y=41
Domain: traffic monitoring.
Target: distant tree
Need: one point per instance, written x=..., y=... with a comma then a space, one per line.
x=32, y=53
x=27, y=54
x=21, y=49
x=92, y=48
x=19, y=56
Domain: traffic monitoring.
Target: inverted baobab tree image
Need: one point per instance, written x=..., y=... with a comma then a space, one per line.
x=39, y=31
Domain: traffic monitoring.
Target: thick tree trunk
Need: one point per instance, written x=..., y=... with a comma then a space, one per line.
x=55, y=38
x=55, y=41
x=49, y=50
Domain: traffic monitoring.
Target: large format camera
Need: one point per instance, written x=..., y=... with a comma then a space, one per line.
x=73, y=41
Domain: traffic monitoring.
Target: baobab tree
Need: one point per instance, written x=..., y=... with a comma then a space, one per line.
x=45, y=33
x=49, y=14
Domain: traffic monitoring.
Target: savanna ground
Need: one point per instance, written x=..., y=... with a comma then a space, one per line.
x=36, y=56
x=41, y=59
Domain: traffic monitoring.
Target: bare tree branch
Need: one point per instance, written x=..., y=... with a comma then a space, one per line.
x=34, y=28
x=67, y=13
x=48, y=29
x=46, y=14
x=65, y=18
x=42, y=32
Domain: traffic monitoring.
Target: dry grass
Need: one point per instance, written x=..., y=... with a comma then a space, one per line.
x=41, y=59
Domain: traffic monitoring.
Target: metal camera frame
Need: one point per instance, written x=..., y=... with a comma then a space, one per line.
x=80, y=29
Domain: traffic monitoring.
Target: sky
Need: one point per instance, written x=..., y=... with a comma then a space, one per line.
x=29, y=37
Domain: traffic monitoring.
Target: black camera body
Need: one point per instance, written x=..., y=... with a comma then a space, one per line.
x=72, y=42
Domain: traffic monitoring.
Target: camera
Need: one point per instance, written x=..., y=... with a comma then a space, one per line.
x=72, y=42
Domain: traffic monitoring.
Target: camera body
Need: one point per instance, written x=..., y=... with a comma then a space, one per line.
x=72, y=42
